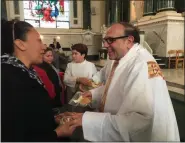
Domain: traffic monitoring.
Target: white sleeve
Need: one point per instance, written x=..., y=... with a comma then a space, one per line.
x=69, y=80
x=133, y=121
x=96, y=96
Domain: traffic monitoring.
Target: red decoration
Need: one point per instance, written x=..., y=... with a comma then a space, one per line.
x=46, y=14
x=61, y=3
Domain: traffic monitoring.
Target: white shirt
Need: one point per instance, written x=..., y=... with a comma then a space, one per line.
x=137, y=108
x=75, y=70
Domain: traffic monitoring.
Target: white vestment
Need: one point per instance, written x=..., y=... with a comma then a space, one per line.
x=75, y=70
x=137, y=108
x=102, y=75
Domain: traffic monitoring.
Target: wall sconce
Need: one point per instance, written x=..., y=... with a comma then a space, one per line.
x=41, y=36
x=58, y=37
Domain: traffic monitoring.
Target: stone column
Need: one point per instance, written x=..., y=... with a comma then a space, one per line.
x=107, y=13
x=136, y=10
x=149, y=7
x=86, y=14
x=165, y=5
x=124, y=10
x=3, y=10
x=180, y=6
x=116, y=11
x=112, y=11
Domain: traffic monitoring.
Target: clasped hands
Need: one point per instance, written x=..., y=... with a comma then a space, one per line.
x=75, y=120
x=68, y=127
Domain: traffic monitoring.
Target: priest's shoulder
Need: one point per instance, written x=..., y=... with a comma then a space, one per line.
x=154, y=70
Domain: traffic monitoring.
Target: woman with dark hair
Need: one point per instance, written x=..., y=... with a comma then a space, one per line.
x=79, y=71
x=52, y=75
x=26, y=111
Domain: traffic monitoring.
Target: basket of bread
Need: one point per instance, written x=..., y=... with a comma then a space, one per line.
x=79, y=100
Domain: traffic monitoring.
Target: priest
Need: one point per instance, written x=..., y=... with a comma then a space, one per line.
x=134, y=105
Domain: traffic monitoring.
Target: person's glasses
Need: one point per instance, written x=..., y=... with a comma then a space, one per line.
x=110, y=40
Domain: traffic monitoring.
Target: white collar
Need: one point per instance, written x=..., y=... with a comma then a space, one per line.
x=81, y=62
x=130, y=54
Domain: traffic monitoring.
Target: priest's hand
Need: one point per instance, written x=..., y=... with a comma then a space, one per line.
x=87, y=94
x=65, y=129
x=77, y=120
x=84, y=81
x=61, y=115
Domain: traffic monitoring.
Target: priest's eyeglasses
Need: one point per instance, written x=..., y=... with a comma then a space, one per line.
x=110, y=40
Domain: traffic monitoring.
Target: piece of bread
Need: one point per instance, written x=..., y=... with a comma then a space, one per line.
x=85, y=100
x=94, y=85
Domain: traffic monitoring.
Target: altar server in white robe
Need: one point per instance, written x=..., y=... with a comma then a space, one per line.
x=134, y=104
x=79, y=71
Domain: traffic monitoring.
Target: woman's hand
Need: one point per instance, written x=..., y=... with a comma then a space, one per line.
x=61, y=115
x=77, y=120
x=65, y=129
x=68, y=128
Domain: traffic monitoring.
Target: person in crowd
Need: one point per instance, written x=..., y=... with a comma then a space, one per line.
x=46, y=81
x=56, y=55
x=55, y=44
x=134, y=105
x=26, y=113
x=79, y=71
x=53, y=75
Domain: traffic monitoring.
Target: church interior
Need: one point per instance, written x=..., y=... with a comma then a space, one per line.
x=161, y=25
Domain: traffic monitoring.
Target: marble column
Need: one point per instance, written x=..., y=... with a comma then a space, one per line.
x=3, y=10
x=165, y=5
x=125, y=10
x=75, y=9
x=136, y=10
x=149, y=8
x=86, y=14
x=107, y=13
x=116, y=11
x=180, y=6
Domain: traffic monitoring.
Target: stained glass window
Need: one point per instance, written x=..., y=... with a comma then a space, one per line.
x=47, y=13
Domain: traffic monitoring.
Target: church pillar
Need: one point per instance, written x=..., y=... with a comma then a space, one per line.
x=107, y=13
x=3, y=10
x=116, y=11
x=86, y=14
x=180, y=6
x=149, y=7
x=165, y=5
